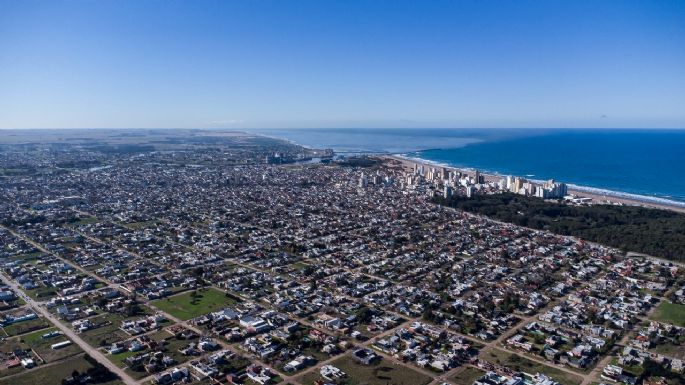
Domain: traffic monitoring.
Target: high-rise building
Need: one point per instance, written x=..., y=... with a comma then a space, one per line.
x=529, y=188
x=502, y=184
x=470, y=190
x=447, y=191
x=517, y=185
x=363, y=180
x=553, y=190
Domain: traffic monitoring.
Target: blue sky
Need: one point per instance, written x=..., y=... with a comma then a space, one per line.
x=242, y=64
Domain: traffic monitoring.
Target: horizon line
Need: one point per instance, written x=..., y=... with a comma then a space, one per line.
x=340, y=128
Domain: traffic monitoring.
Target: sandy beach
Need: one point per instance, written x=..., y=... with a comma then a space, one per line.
x=596, y=197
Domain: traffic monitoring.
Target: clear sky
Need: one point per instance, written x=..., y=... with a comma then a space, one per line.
x=299, y=63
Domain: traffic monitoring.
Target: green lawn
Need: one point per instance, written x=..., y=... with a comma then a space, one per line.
x=118, y=359
x=518, y=363
x=385, y=372
x=37, y=337
x=42, y=293
x=672, y=313
x=185, y=306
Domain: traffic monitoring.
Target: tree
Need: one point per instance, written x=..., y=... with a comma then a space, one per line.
x=364, y=314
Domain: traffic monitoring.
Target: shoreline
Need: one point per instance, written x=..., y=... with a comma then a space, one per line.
x=598, y=196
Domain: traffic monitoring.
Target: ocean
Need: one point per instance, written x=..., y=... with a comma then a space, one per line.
x=636, y=163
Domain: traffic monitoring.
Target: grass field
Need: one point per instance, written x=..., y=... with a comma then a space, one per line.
x=672, y=313
x=185, y=307
x=42, y=293
x=668, y=349
x=26, y=326
x=519, y=363
x=106, y=334
x=87, y=221
x=43, y=346
x=171, y=345
x=141, y=225
x=383, y=373
x=53, y=374
x=467, y=376
x=118, y=359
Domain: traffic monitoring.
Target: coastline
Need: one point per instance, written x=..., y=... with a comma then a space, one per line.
x=597, y=195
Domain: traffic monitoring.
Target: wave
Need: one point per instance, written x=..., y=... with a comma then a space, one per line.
x=588, y=189
x=621, y=194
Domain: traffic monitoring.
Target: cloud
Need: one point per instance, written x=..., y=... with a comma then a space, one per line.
x=604, y=117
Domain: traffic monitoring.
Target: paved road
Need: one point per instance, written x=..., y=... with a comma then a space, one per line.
x=69, y=333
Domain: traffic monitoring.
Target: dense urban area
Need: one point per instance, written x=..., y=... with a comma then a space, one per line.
x=228, y=258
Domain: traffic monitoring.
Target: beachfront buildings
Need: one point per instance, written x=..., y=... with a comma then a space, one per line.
x=446, y=183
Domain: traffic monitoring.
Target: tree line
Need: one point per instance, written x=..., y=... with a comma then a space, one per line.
x=656, y=232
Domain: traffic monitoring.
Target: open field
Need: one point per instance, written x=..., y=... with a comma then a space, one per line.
x=519, y=363
x=467, y=376
x=106, y=334
x=26, y=326
x=118, y=359
x=185, y=307
x=42, y=293
x=43, y=347
x=671, y=350
x=40, y=346
x=672, y=313
x=385, y=372
x=53, y=374
x=168, y=344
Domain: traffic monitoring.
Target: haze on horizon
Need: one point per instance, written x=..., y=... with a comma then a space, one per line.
x=284, y=64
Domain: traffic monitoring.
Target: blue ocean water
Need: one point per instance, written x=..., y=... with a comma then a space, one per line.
x=649, y=163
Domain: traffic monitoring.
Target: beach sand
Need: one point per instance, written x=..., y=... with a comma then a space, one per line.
x=408, y=165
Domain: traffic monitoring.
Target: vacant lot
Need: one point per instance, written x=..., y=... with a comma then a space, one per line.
x=383, y=373
x=26, y=326
x=521, y=364
x=107, y=331
x=672, y=313
x=467, y=376
x=43, y=346
x=671, y=350
x=53, y=374
x=194, y=303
